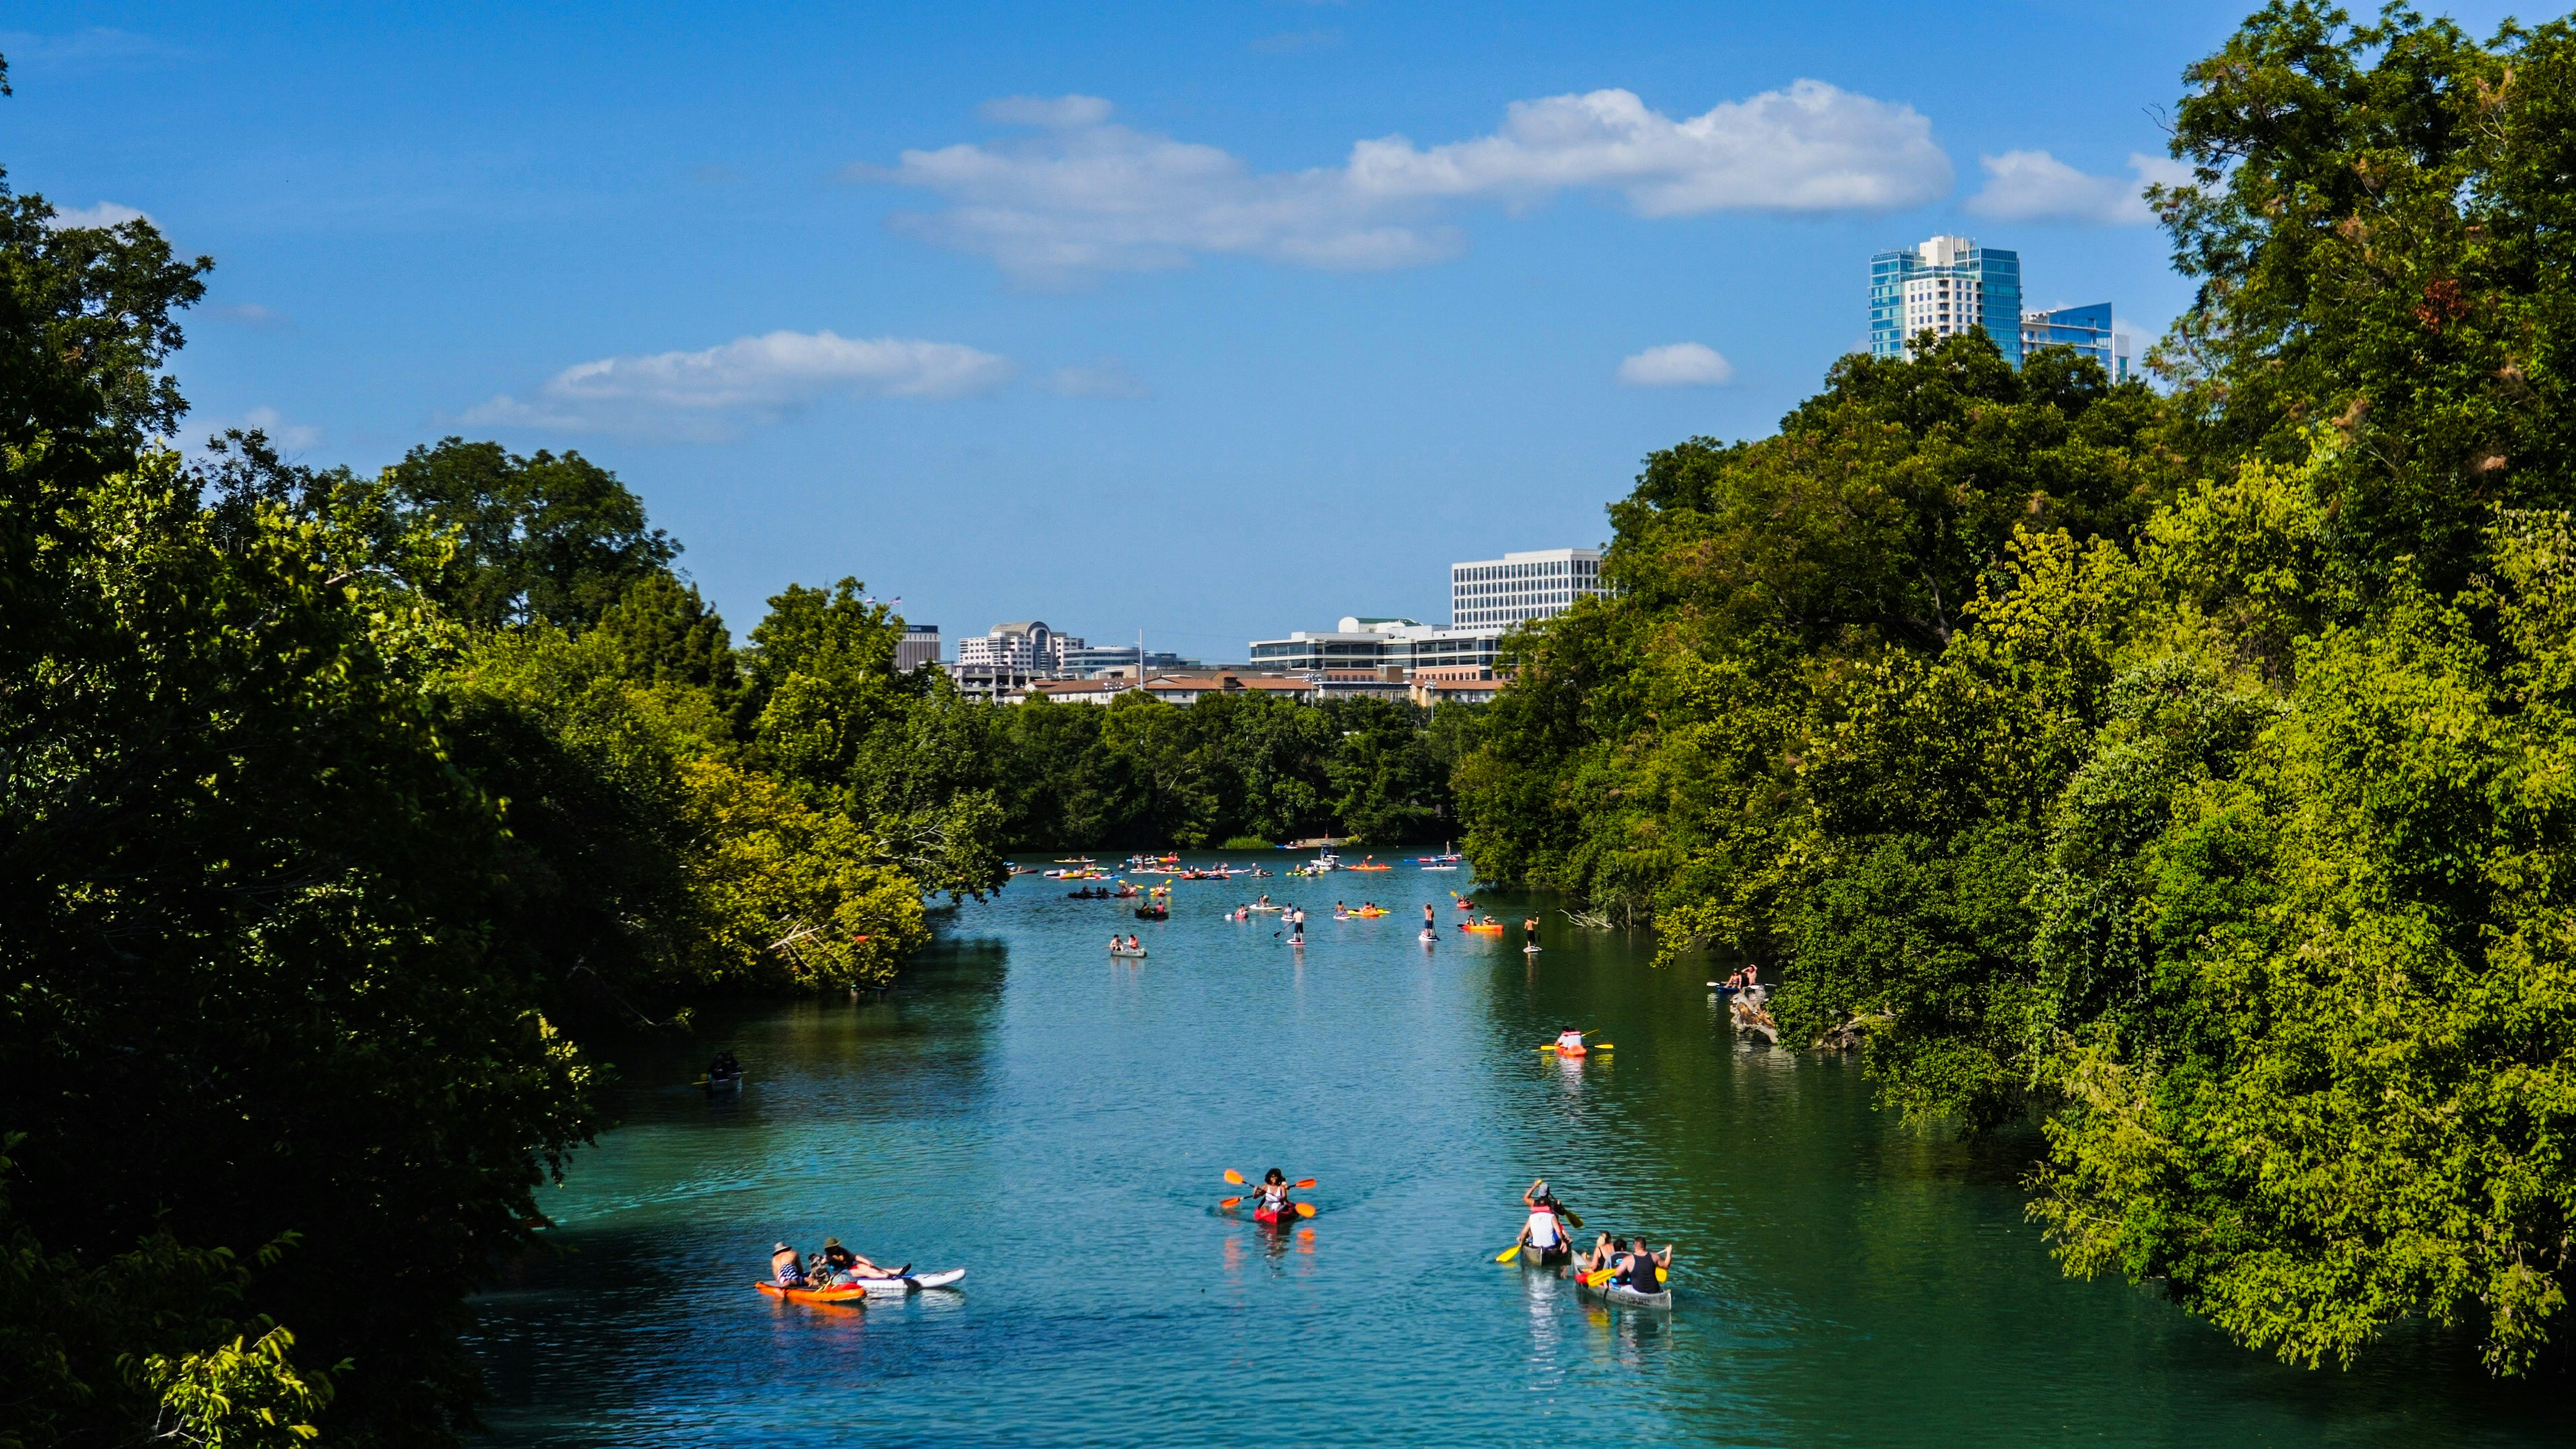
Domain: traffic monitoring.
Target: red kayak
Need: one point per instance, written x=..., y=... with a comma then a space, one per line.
x=1276, y=1217
x=854, y=1295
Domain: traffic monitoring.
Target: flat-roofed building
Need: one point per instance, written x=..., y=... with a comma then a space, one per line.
x=1373, y=644
x=1498, y=593
x=918, y=646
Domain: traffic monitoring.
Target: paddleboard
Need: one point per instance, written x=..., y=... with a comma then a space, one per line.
x=911, y=1283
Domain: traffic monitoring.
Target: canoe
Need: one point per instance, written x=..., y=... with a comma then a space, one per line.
x=1153, y=913
x=1556, y=1257
x=1626, y=1297
x=853, y=1297
x=1493, y=930
x=910, y=1283
x=1114, y=951
x=722, y=1084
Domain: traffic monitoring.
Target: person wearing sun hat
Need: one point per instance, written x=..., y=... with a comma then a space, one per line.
x=787, y=1266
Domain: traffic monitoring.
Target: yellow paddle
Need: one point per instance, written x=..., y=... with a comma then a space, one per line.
x=1507, y=1254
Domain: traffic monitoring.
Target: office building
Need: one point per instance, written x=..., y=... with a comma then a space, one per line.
x=918, y=646
x=1026, y=647
x=1382, y=650
x=2086, y=329
x=1947, y=285
x=1497, y=593
x=1084, y=661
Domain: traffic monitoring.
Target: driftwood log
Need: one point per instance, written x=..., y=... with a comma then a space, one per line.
x=1751, y=1018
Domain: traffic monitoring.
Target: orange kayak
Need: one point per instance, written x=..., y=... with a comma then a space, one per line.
x=853, y=1295
x=1493, y=930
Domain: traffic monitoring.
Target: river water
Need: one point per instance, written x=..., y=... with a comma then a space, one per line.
x=1056, y=1121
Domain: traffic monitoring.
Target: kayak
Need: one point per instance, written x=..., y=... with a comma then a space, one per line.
x=723, y=1084
x=853, y=1297
x=1493, y=930
x=1276, y=1217
x=910, y=1283
x=1626, y=1297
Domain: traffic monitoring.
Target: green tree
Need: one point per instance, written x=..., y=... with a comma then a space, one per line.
x=539, y=539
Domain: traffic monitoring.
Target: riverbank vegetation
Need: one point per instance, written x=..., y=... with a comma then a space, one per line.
x=334, y=808
x=2183, y=769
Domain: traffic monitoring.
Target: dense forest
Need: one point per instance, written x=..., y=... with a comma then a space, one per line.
x=2185, y=770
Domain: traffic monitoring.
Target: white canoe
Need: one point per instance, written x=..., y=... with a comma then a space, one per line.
x=1625, y=1296
x=914, y=1283
x=1126, y=953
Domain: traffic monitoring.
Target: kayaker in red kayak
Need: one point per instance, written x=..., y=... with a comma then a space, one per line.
x=1274, y=1205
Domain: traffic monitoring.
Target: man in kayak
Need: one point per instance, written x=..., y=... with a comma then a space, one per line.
x=1543, y=1236
x=787, y=1266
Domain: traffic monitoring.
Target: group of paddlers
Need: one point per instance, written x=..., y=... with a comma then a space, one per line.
x=1548, y=1237
x=834, y=1267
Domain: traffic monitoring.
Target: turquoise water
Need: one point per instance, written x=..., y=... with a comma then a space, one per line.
x=1056, y=1122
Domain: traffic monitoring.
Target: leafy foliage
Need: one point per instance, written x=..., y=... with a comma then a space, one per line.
x=2185, y=771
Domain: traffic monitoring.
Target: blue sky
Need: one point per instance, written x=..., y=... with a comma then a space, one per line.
x=1209, y=321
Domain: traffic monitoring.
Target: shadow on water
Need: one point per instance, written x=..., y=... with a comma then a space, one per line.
x=1057, y=1122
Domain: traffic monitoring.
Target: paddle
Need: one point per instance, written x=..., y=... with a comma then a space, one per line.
x=1507, y=1254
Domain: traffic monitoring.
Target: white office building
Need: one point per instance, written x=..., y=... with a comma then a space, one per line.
x=1025, y=647
x=1497, y=593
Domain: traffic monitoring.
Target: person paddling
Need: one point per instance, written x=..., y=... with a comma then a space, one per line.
x=1273, y=1193
x=1643, y=1269
x=1529, y=933
x=1543, y=1236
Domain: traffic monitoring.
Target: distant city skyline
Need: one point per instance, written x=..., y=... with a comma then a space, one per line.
x=1200, y=321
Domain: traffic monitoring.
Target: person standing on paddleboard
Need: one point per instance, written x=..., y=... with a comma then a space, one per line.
x=1296, y=925
x=1529, y=933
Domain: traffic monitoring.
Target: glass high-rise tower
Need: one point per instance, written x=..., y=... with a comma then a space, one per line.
x=1946, y=286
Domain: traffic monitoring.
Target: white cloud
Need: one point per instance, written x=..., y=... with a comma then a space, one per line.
x=254, y=316
x=2035, y=186
x=106, y=213
x=1810, y=147
x=1089, y=195
x=1679, y=364
x=1106, y=378
x=709, y=394
x=289, y=437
